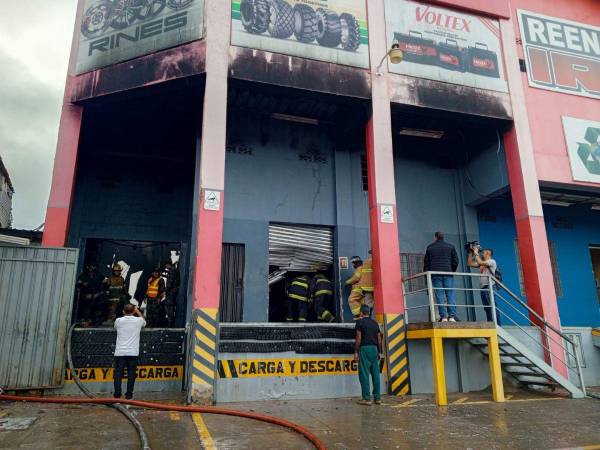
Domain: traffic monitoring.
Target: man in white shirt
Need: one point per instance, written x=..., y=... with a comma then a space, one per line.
x=127, y=349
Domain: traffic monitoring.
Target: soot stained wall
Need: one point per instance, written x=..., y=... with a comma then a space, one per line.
x=284, y=172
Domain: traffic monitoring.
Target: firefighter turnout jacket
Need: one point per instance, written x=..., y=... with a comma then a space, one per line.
x=320, y=285
x=299, y=289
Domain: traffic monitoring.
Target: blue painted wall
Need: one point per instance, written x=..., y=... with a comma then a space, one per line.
x=275, y=183
x=578, y=306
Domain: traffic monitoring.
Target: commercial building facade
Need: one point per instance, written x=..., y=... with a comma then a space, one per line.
x=235, y=137
x=6, y=194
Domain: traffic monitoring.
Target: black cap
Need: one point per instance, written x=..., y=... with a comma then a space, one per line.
x=365, y=309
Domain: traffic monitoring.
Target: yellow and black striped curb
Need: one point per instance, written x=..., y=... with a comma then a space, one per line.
x=204, y=341
x=397, y=354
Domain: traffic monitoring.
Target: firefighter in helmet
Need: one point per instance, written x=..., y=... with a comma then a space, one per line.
x=355, y=300
x=298, y=297
x=115, y=293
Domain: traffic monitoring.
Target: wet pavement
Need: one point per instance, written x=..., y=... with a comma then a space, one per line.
x=526, y=421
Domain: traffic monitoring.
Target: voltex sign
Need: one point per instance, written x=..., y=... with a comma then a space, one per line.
x=113, y=31
x=327, y=30
x=561, y=55
x=445, y=45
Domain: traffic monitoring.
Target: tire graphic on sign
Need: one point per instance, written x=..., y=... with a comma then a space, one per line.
x=329, y=28
x=281, y=19
x=305, y=23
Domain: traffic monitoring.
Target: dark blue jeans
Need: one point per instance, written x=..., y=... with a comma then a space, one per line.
x=443, y=285
x=485, y=299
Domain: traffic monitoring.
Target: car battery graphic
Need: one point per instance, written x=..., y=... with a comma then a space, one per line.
x=416, y=48
x=482, y=61
x=451, y=56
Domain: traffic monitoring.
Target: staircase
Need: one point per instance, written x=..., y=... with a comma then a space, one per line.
x=518, y=352
x=525, y=366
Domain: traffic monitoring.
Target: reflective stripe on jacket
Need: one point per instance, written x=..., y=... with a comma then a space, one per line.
x=366, y=276
x=354, y=280
x=153, y=287
x=320, y=285
x=298, y=289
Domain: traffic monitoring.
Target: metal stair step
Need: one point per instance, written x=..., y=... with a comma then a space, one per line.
x=529, y=374
x=540, y=383
x=512, y=355
x=484, y=344
x=518, y=364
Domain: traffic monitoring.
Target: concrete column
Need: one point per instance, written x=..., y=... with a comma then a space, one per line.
x=527, y=205
x=382, y=191
x=389, y=302
x=209, y=234
x=58, y=212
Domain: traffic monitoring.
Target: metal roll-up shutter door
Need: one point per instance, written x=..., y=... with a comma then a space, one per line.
x=300, y=248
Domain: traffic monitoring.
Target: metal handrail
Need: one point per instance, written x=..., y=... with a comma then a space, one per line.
x=493, y=281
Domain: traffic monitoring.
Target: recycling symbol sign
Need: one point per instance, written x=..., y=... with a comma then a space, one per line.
x=582, y=137
x=589, y=151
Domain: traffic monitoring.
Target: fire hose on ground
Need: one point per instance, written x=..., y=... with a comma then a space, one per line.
x=118, y=403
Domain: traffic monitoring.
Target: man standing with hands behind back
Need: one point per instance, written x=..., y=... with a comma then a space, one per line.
x=127, y=349
x=368, y=352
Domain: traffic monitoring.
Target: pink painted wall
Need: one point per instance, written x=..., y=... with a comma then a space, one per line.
x=495, y=8
x=545, y=108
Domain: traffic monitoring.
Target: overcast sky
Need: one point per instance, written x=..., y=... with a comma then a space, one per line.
x=35, y=38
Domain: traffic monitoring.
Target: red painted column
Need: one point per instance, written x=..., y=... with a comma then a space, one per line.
x=209, y=229
x=527, y=205
x=389, y=301
x=382, y=191
x=58, y=212
x=384, y=235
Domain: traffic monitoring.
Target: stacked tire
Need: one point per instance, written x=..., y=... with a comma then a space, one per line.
x=307, y=25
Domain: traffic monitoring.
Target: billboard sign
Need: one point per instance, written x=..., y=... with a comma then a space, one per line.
x=583, y=145
x=334, y=31
x=444, y=45
x=113, y=31
x=561, y=55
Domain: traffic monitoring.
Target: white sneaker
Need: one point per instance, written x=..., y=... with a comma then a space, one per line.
x=444, y=319
x=451, y=319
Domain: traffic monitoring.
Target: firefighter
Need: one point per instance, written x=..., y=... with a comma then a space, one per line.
x=155, y=296
x=355, y=300
x=115, y=293
x=89, y=295
x=321, y=293
x=172, y=279
x=366, y=281
x=298, y=297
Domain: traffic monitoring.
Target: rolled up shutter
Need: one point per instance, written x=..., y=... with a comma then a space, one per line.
x=300, y=248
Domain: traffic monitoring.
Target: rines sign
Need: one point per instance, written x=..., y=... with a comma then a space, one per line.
x=113, y=31
x=561, y=55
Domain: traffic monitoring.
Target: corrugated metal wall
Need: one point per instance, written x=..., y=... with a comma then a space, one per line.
x=36, y=296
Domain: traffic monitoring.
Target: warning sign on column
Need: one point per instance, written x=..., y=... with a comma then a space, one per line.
x=212, y=200
x=387, y=213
